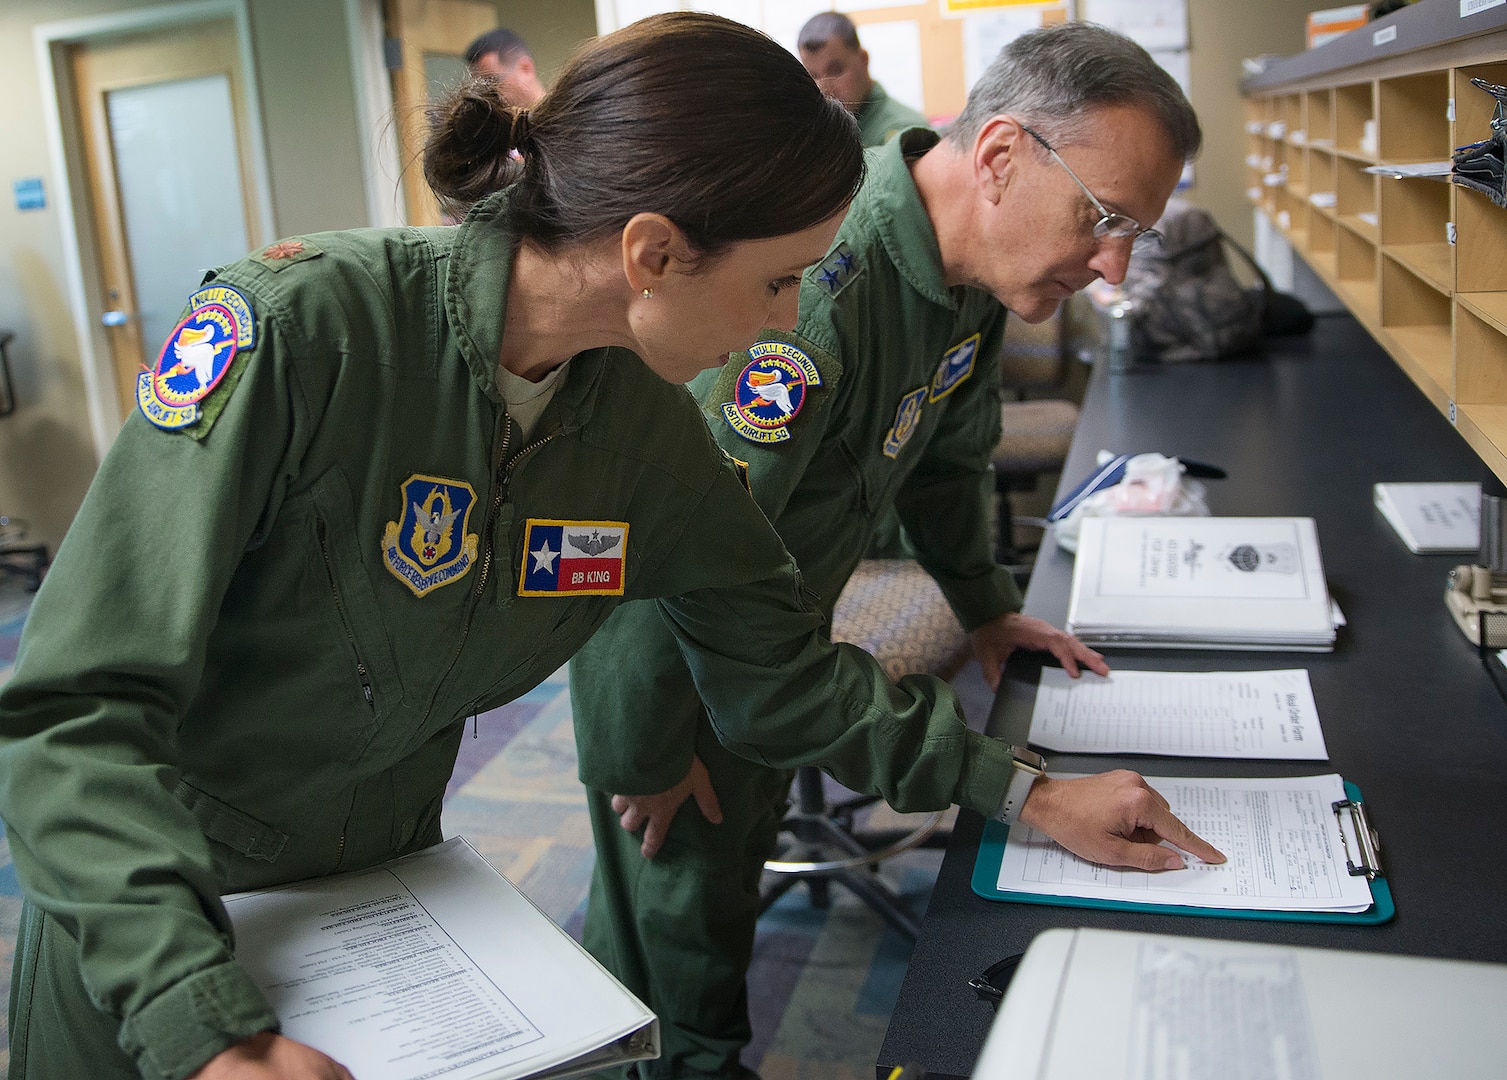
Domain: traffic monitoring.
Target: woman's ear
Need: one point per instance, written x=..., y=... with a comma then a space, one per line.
x=652, y=247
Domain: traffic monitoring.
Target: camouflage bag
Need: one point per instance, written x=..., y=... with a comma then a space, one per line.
x=1186, y=302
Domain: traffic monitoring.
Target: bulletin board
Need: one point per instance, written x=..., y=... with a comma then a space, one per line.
x=926, y=54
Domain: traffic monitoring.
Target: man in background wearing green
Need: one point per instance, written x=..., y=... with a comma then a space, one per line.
x=829, y=48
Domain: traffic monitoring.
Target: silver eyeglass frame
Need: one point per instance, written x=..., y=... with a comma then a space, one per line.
x=1111, y=225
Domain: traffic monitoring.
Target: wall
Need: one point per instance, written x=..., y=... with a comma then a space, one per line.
x=47, y=454
x=1221, y=33
x=552, y=29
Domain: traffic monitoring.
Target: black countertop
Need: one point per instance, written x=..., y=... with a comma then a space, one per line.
x=1409, y=713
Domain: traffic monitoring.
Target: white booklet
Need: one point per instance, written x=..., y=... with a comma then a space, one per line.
x=1280, y=836
x=1114, y=1005
x=1228, y=714
x=434, y=967
x=1433, y=518
x=1200, y=583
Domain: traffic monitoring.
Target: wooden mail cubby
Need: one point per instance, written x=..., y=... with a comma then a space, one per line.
x=1421, y=262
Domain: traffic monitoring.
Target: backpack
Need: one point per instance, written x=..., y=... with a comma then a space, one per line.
x=1185, y=300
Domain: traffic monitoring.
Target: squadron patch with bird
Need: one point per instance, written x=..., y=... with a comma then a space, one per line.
x=428, y=546
x=770, y=391
x=195, y=357
x=580, y=558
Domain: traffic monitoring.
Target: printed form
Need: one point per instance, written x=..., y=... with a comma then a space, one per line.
x=423, y=969
x=1233, y=714
x=1280, y=836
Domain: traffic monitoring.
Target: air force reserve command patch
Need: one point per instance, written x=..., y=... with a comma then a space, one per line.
x=770, y=391
x=428, y=546
x=907, y=415
x=195, y=357
x=583, y=558
x=956, y=365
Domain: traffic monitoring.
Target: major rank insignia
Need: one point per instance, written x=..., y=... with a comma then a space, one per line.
x=429, y=546
x=583, y=558
x=907, y=416
x=956, y=365
x=770, y=391
x=195, y=357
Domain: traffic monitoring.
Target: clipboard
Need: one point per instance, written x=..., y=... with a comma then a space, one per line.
x=992, y=851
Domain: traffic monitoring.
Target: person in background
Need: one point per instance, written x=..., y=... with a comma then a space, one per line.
x=829, y=48
x=502, y=56
x=885, y=397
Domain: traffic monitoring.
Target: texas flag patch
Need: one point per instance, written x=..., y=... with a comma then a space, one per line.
x=584, y=558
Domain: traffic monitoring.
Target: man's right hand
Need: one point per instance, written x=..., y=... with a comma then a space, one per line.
x=1114, y=818
x=653, y=813
x=269, y=1056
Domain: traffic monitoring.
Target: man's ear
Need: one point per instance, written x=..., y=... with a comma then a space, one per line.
x=526, y=64
x=653, y=246
x=997, y=150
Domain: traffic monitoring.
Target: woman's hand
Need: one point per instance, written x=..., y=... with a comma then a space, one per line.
x=269, y=1056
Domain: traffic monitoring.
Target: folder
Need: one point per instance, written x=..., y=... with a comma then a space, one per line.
x=1361, y=860
x=1114, y=1005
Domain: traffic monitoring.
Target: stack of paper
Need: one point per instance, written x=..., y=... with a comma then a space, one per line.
x=1201, y=583
x=434, y=965
x=1433, y=518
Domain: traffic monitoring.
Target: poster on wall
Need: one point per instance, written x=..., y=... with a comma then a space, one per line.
x=894, y=50
x=1156, y=25
x=958, y=9
x=985, y=33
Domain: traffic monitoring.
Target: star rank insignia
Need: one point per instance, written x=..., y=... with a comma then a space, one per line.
x=835, y=271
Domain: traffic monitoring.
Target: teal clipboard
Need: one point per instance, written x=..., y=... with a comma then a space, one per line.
x=992, y=853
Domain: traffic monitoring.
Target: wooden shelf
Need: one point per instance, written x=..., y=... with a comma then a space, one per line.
x=1422, y=264
x=1435, y=263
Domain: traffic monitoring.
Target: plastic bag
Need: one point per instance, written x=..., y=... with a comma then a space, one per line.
x=1148, y=485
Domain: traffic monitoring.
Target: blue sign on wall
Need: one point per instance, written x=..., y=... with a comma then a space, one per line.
x=29, y=194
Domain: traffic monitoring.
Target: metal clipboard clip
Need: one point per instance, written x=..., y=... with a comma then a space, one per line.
x=1366, y=840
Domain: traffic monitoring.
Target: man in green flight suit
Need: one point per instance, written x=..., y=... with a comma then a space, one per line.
x=886, y=396
x=829, y=48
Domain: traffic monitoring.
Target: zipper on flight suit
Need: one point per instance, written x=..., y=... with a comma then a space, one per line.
x=502, y=478
x=345, y=623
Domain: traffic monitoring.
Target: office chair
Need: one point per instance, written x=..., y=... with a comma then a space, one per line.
x=1036, y=432
x=17, y=554
x=894, y=610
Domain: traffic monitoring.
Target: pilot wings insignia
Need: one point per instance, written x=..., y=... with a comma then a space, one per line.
x=594, y=544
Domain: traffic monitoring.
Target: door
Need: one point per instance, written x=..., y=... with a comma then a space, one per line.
x=433, y=36
x=164, y=121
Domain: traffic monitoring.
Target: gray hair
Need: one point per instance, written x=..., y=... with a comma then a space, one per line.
x=1051, y=78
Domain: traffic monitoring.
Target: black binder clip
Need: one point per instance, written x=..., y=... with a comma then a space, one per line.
x=1365, y=838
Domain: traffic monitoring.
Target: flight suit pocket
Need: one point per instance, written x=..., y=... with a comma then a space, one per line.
x=226, y=825
x=351, y=594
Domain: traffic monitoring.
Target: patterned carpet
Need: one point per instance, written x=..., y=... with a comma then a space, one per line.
x=823, y=981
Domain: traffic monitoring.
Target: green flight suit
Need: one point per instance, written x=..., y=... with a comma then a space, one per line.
x=903, y=414
x=255, y=654
x=880, y=117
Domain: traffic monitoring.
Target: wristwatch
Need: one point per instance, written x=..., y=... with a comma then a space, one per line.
x=1028, y=767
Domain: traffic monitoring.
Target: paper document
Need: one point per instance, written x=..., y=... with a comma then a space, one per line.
x=1417, y=169
x=1231, y=714
x=1113, y=1005
x=1433, y=518
x=1281, y=838
x=1200, y=582
x=434, y=966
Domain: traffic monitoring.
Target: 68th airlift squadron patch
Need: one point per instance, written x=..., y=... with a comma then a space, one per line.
x=770, y=392
x=195, y=357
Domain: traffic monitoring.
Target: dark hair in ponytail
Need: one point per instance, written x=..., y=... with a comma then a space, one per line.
x=696, y=117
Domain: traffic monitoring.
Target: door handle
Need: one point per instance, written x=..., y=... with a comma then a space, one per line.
x=115, y=318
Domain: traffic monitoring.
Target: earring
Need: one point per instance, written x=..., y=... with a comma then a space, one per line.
x=647, y=294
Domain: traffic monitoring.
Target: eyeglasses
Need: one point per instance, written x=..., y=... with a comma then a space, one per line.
x=1110, y=225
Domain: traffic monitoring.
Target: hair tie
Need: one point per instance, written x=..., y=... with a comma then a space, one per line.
x=522, y=132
